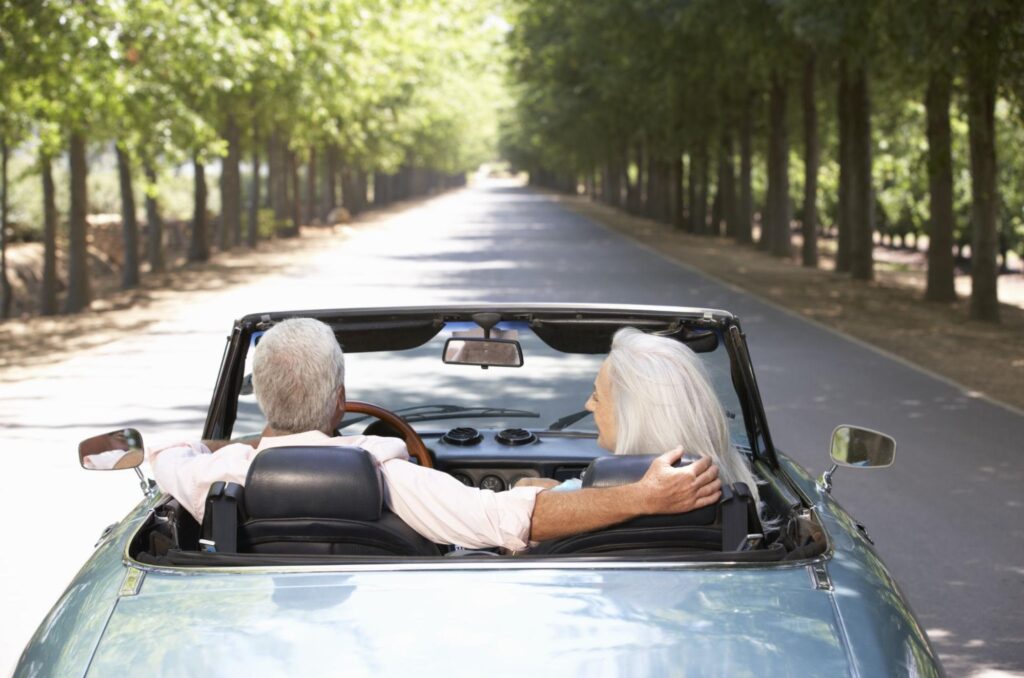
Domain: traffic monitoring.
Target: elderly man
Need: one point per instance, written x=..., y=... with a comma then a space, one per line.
x=298, y=379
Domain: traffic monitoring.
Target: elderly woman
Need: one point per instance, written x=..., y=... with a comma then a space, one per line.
x=652, y=395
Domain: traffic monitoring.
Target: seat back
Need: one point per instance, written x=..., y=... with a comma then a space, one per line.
x=724, y=526
x=321, y=500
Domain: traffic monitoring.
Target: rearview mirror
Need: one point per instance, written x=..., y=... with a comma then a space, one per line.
x=483, y=352
x=862, y=448
x=112, y=451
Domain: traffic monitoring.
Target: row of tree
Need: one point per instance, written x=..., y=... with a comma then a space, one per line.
x=394, y=94
x=652, y=102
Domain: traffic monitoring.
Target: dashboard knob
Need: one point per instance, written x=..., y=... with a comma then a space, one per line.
x=515, y=436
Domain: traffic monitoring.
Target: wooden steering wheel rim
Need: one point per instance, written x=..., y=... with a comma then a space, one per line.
x=413, y=442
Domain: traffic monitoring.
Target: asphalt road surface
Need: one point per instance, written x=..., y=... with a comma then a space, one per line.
x=946, y=518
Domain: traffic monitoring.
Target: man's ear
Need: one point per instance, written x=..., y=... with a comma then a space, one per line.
x=339, y=409
x=339, y=404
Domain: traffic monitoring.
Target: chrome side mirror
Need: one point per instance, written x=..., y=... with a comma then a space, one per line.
x=121, y=449
x=857, y=447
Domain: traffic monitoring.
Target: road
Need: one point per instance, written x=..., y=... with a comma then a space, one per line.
x=946, y=518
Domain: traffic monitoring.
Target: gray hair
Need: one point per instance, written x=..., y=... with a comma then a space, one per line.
x=297, y=370
x=664, y=398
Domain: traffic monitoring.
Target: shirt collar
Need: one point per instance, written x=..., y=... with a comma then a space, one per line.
x=305, y=438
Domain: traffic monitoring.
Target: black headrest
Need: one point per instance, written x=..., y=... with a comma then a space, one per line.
x=313, y=482
x=621, y=469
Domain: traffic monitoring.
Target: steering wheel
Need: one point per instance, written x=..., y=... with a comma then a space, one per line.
x=413, y=442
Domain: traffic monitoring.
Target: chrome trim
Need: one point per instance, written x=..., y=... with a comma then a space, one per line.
x=825, y=483
x=819, y=577
x=507, y=563
x=524, y=307
x=132, y=583
x=472, y=565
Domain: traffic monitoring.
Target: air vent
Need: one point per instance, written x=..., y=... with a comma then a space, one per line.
x=515, y=436
x=464, y=436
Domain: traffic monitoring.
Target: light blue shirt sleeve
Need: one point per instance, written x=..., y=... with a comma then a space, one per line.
x=568, y=485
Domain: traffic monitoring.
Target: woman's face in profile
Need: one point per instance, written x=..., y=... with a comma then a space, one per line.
x=601, y=404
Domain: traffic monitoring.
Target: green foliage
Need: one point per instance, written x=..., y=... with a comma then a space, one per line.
x=591, y=79
x=390, y=82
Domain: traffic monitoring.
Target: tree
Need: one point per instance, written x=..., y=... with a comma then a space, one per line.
x=130, y=226
x=982, y=56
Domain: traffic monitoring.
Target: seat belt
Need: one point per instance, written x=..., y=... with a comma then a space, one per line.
x=220, y=522
x=734, y=516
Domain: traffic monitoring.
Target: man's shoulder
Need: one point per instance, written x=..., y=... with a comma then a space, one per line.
x=381, y=447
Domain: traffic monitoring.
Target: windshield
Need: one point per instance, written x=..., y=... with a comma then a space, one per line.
x=542, y=394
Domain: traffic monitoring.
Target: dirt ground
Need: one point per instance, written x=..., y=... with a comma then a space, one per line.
x=888, y=313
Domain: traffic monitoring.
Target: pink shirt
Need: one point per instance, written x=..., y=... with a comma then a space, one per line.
x=431, y=502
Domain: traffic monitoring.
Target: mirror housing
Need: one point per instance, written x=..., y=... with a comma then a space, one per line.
x=114, y=451
x=482, y=352
x=862, y=448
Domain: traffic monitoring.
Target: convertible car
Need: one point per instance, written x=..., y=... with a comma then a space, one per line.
x=304, y=571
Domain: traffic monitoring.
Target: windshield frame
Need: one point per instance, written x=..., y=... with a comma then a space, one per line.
x=381, y=329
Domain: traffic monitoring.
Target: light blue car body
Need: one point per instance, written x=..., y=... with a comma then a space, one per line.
x=841, y=614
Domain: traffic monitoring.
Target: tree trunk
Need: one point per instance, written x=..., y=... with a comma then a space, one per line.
x=940, y=189
x=48, y=296
x=362, y=188
x=715, y=227
x=253, y=236
x=861, y=193
x=699, y=179
x=809, y=252
x=350, y=191
x=745, y=218
x=311, y=186
x=129, y=224
x=844, y=224
x=330, y=192
x=663, y=172
x=727, y=184
x=606, y=183
x=230, y=232
x=154, y=223
x=278, y=184
x=199, y=247
x=631, y=188
x=982, y=66
x=676, y=191
x=614, y=181
x=5, y=283
x=79, y=292
x=690, y=223
x=296, y=194
x=651, y=183
x=777, y=229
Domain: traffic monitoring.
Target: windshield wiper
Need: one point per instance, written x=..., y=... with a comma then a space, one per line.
x=436, y=412
x=568, y=420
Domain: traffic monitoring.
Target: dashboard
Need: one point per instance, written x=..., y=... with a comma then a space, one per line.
x=493, y=459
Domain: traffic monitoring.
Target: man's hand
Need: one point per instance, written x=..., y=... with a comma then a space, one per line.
x=666, y=489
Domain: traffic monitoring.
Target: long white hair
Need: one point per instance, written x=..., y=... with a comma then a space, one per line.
x=663, y=398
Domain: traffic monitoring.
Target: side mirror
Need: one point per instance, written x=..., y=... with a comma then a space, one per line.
x=112, y=451
x=862, y=448
x=858, y=448
x=483, y=352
